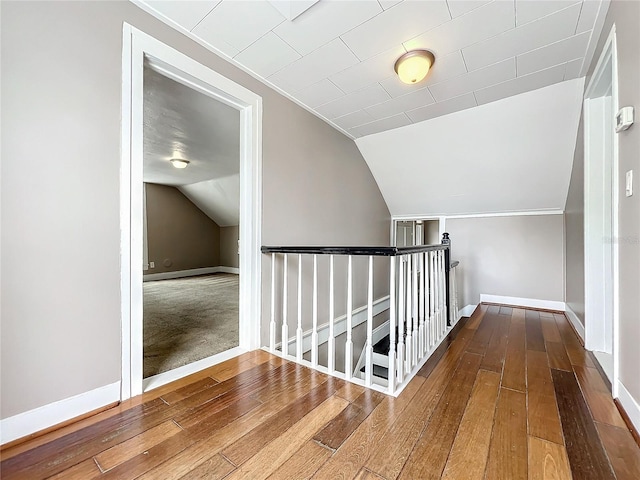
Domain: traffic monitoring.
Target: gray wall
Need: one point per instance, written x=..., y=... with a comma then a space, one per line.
x=574, y=230
x=432, y=232
x=179, y=235
x=229, y=246
x=61, y=91
x=518, y=256
x=626, y=17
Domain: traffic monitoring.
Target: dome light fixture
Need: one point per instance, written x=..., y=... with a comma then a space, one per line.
x=179, y=162
x=413, y=66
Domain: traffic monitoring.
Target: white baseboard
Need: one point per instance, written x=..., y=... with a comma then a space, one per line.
x=630, y=405
x=148, y=277
x=181, y=372
x=228, y=270
x=47, y=416
x=523, y=302
x=575, y=321
x=467, y=311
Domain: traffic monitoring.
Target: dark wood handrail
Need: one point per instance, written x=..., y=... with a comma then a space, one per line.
x=375, y=251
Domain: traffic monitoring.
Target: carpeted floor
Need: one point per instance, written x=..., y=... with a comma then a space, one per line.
x=188, y=319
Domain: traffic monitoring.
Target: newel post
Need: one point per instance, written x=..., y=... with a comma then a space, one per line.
x=447, y=266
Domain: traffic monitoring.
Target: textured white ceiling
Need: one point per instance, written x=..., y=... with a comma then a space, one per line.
x=181, y=122
x=336, y=58
x=511, y=155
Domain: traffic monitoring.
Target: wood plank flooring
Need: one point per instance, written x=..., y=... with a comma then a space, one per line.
x=513, y=395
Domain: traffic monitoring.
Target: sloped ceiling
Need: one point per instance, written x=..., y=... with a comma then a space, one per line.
x=336, y=57
x=180, y=122
x=217, y=198
x=512, y=155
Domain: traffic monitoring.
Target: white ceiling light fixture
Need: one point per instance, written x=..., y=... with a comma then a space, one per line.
x=413, y=66
x=179, y=163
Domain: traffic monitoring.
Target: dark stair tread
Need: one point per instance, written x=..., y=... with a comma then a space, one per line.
x=382, y=346
x=378, y=371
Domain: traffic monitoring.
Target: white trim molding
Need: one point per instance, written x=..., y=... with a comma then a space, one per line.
x=467, y=311
x=515, y=213
x=523, y=302
x=359, y=316
x=167, y=377
x=575, y=321
x=194, y=272
x=41, y=418
x=629, y=404
x=601, y=207
x=139, y=51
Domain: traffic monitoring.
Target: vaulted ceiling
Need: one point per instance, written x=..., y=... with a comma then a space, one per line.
x=512, y=155
x=336, y=58
x=180, y=122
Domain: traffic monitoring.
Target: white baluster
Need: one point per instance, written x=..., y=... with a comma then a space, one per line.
x=445, y=307
x=369, y=346
x=438, y=297
x=400, y=362
x=314, y=331
x=348, y=348
x=432, y=300
x=421, y=329
x=455, y=289
x=443, y=296
x=299, y=329
x=408, y=312
x=331, y=361
x=285, y=327
x=415, y=302
x=451, y=298
x=392, y=325
x=272, y=323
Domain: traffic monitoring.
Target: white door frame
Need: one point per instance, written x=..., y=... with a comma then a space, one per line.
x=137, y=49
x=413, y=218
x=596, y=245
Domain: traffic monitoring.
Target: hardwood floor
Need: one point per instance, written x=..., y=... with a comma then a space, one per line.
x=513, y=396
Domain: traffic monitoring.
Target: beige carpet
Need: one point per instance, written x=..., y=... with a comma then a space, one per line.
x=188, y=319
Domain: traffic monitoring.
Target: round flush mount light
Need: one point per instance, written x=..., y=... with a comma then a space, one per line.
x=179, y=163
x=413, y=66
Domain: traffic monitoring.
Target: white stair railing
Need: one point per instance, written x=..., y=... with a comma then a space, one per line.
x=406, y=294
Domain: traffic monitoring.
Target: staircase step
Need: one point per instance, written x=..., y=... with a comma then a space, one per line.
x=378, y=371
x=382, y=346
x=380, y=359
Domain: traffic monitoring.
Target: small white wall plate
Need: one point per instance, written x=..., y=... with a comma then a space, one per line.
x=624, y=119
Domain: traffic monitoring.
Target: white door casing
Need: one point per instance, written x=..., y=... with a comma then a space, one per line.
x=138, y=49
x=601, y=212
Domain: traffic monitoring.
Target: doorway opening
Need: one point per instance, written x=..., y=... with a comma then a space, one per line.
x=601, y=212
x=191, y=218
x=146, y=59
x=418, y=231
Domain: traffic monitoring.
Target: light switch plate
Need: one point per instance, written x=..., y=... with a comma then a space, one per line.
x=624, y=119
x=629, y=183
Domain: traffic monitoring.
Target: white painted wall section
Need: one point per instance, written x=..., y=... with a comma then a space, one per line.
x=507, y=156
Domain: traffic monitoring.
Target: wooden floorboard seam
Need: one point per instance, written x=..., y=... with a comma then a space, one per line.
x=511, y=395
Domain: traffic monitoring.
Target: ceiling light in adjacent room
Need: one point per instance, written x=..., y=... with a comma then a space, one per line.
x=179, y=163
x=413, y=66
